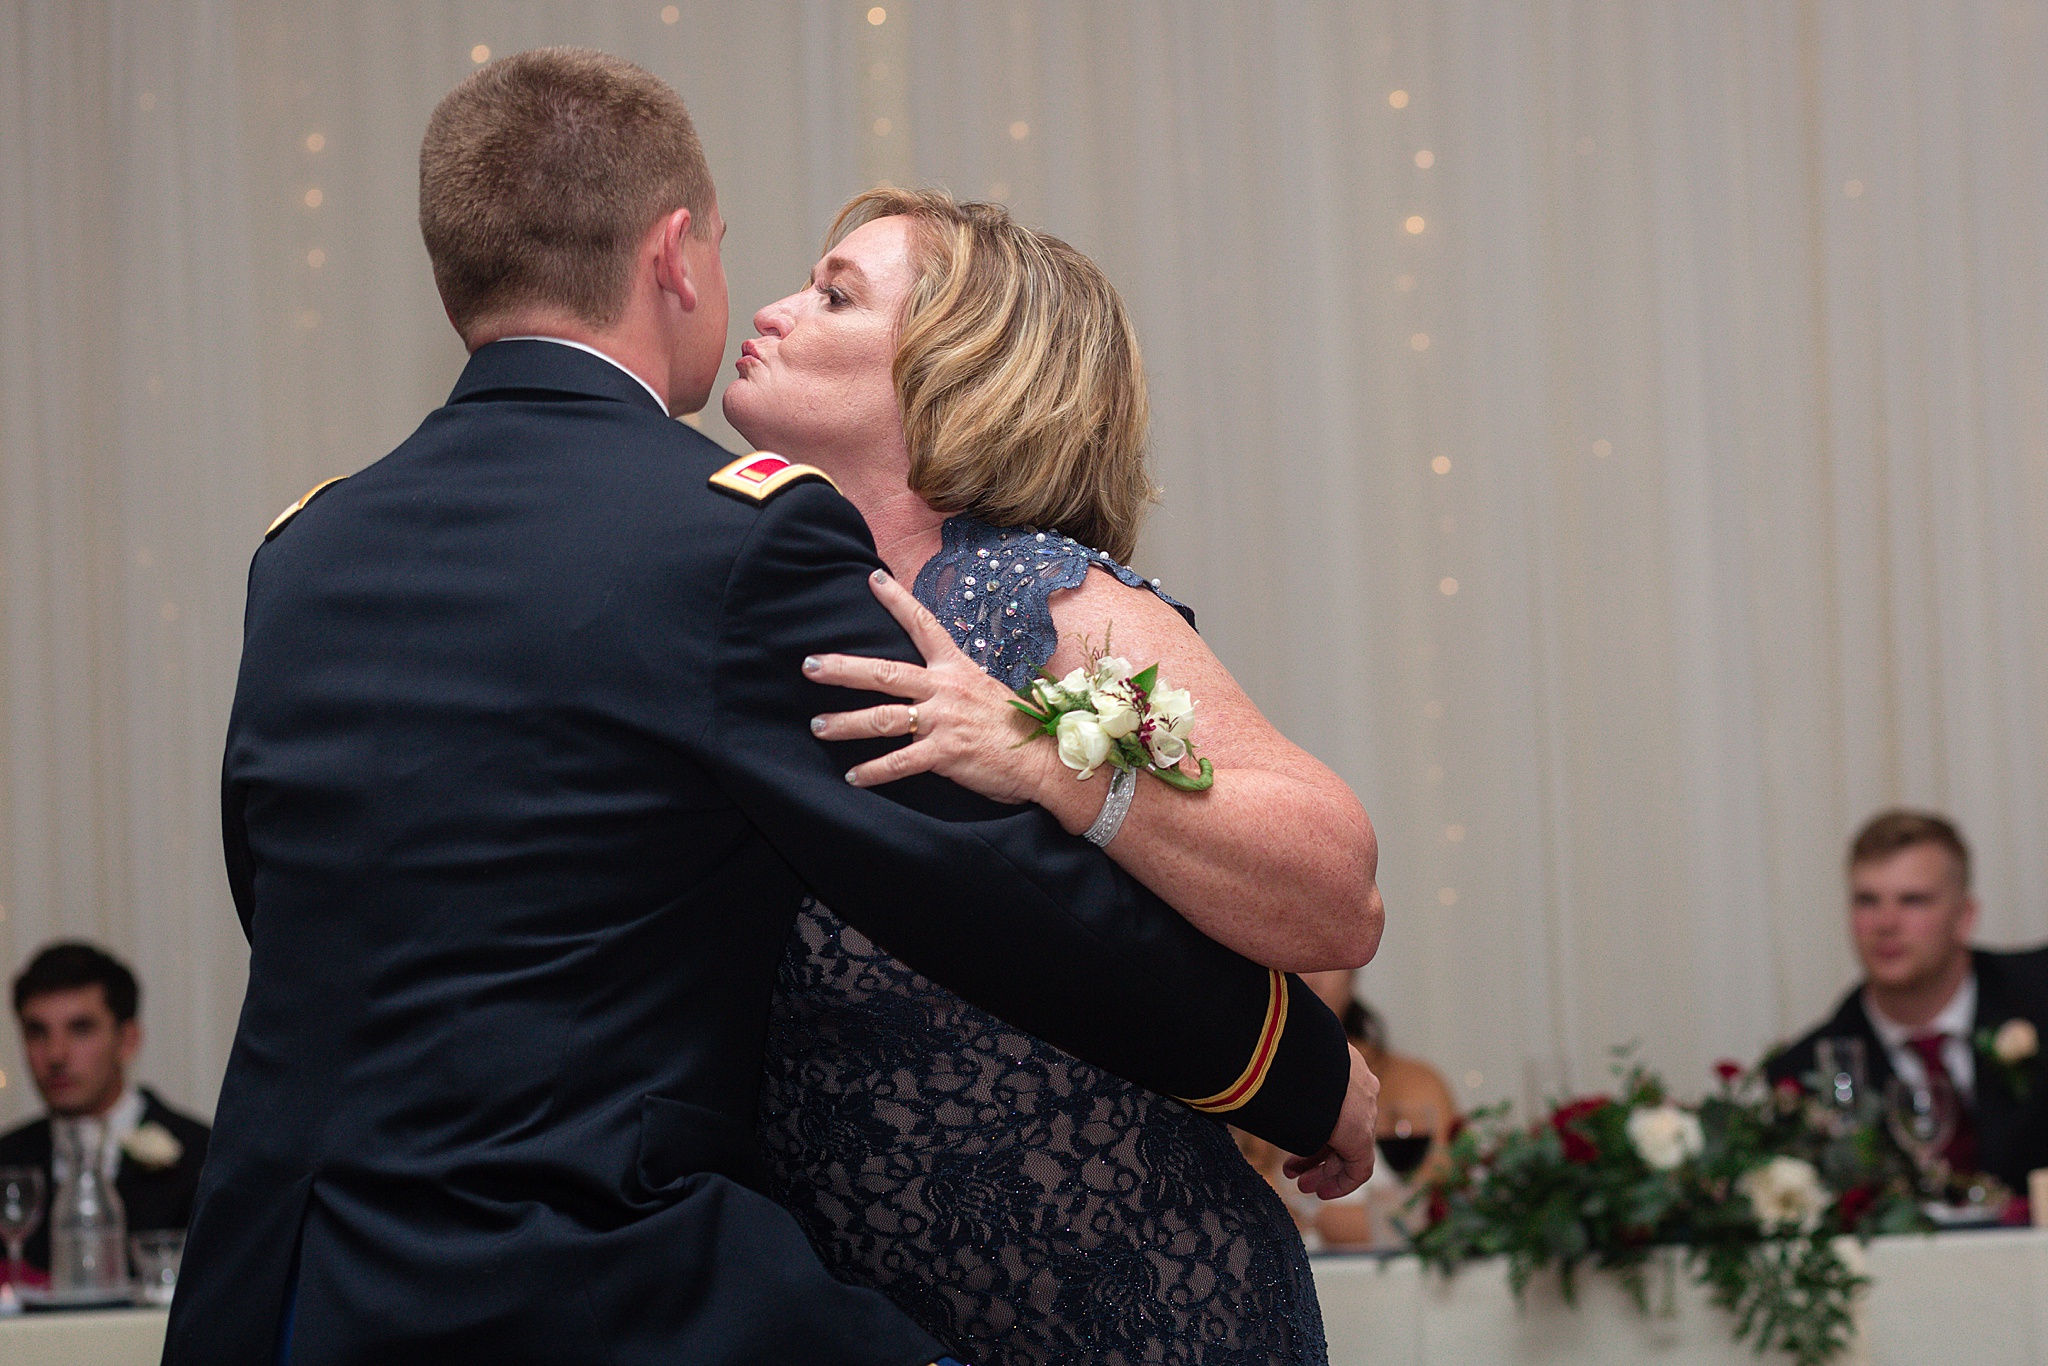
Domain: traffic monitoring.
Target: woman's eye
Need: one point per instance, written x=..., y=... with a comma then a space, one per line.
x=834, y=296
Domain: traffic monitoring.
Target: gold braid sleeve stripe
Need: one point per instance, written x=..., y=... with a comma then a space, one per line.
x=1240, y=1092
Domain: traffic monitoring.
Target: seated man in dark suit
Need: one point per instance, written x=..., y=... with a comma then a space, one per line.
x=1933, y=1005
x=76, y=1005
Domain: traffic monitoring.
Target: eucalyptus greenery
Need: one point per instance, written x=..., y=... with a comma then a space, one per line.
x=1757, y=1195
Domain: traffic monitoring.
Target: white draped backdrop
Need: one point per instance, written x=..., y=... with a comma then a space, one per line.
x=1614, y=436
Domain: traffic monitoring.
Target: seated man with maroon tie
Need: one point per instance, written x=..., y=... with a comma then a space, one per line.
x=1931, y=1005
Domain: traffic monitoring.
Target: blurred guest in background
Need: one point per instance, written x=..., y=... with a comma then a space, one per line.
x=1417, y=1117
x=1930, y=1005
x=76, y=1005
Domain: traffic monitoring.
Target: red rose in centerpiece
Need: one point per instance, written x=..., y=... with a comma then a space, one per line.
x=1856, y=1202
x=1577, y=1147
x=1727, y=1070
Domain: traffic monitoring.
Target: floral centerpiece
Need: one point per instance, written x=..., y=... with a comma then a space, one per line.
x=1755, y=1183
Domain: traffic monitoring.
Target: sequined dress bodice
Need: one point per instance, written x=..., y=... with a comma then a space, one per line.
x=1021, y=1205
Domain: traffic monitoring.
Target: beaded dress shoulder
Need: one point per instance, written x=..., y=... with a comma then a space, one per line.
x=1023, y=1206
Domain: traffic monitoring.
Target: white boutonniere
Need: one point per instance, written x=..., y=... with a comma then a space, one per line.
x=2012, y=1047
x=1109, y=713
x=153, y=1147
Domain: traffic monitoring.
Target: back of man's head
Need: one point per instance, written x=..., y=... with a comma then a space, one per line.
x=72, y=964
x=540, y=174
x=1888, y=832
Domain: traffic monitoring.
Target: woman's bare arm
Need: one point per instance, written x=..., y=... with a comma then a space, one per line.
x=1278, y=860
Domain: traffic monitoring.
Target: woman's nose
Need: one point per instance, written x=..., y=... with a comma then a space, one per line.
x=773, y=321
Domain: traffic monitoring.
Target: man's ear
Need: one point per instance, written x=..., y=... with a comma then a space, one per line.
x=671, y=265
x=1966, y=923
x=128, y=1040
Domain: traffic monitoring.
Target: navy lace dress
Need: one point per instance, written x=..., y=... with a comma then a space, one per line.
x=1021, y=1205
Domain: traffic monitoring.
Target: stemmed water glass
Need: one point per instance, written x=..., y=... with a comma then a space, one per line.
x=21, y=1211
x=1839, y=1063
x=1922, y=1118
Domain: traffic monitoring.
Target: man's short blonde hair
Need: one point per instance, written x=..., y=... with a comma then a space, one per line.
x=1888, y=832
x=1018, y=372
x=540, y=174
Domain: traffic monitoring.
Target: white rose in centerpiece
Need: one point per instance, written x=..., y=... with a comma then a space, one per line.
x=2015, y=1041
x=1785, y=1191
x=1665, y=1136
x=1083, y=744
x=152, y=1146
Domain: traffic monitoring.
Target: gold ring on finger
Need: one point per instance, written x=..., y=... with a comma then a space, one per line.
x=913, y=719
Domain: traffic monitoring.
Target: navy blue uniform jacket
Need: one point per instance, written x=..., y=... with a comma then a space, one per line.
x=520, y=799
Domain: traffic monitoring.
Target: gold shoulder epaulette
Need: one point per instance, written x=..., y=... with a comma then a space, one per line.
x=297, y=507
x=760, y=476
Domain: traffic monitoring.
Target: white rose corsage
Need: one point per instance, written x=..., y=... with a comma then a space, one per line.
x=1109, y=713
x=153, y=1147
x=2013, y=1046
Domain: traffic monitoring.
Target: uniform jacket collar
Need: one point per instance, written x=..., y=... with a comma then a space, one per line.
x=528, y=368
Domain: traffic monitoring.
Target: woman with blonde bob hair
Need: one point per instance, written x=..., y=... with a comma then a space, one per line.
x=975, y=388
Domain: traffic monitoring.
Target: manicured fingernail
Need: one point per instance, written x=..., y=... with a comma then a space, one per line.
x=817, y=725
x=850, y=780
x=880, y=576
x=812, y=664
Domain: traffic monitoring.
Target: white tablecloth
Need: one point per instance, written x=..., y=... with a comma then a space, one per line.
x=1979, y=1298
x=1976, y=1298
x=110, y=1337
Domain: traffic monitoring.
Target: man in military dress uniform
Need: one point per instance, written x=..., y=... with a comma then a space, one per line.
x=520, y=800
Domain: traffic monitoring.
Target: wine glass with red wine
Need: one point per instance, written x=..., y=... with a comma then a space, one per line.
x=1406, y=1129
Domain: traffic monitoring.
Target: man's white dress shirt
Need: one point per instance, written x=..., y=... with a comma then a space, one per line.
x=114, y=1127
x=1955, y=1023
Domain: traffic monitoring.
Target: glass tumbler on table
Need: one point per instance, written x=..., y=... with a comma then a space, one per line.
x=157, y=1254
x=22, y=1192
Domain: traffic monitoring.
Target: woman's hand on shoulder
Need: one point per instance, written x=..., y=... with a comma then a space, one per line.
x=966, y=728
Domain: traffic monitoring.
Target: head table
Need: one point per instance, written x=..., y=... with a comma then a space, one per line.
x=1980, y=1297
x=1976, y=1297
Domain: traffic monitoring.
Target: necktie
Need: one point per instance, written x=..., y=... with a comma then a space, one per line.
x=1960, y=1152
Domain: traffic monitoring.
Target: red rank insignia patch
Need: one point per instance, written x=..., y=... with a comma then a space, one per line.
x=760, y=476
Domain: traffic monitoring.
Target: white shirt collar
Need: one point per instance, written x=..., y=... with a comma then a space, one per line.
x=1954, y=1020
x=564, y=341
x=115, y=1126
